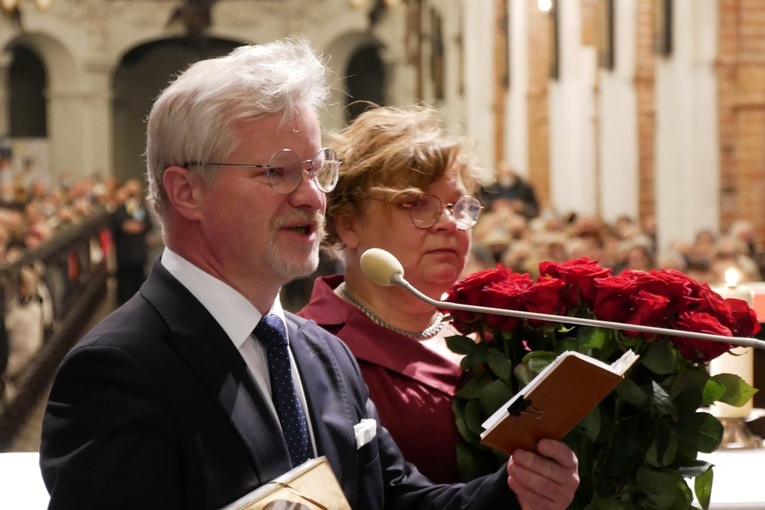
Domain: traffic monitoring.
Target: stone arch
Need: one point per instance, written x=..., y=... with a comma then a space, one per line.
x=56, y=129
x=142, y=73
x=344, y=50
x=59, y=62
x=366, y=78
x=27, y=82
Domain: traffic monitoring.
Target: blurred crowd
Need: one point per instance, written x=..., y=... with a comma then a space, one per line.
x=35, y=293
x=30, y=213
x=508, y=233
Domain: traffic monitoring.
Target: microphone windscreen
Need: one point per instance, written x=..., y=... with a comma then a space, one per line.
x=380, y=266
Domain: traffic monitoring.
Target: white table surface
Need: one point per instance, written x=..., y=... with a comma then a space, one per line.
x=21, y=485
x=739, y=480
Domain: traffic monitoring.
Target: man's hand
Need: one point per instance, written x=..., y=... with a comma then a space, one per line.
x=544, y=481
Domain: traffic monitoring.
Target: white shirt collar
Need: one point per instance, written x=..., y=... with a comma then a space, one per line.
x=235, y=314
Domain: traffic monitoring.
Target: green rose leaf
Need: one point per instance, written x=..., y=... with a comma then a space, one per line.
x=459, y=420
x=737, y=391
x=524, y=374
x=591, y=339
x=703, y=487
x=538, y=360
x=474, y=358
x=610, y=504
x=687, y=390
x=472, y=389
x=474, y=417
x=663, y=447
x=701, y=432
x=713, y=391
x=590, y=425
x=629, y=441
x=664, y=489
x=660, y=358
x=494, y=395
x=660, y=400
x=461, y=344
x=689, y=379
x=630, y=392
x=544, y=357
x=499, y=364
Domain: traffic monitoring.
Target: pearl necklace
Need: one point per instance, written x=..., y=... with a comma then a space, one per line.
x=429, y=332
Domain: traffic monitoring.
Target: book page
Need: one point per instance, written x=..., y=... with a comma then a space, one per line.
x=623, y=364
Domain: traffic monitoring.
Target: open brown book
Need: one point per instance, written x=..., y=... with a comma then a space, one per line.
x=554, y=402
x=310, y=486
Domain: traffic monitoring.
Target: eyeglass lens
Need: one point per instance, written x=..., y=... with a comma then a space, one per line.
x=285, y=169
x=427, y=209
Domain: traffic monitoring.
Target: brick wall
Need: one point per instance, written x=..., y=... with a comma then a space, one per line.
x=741, y=107
x=540, y=53
x=645, y=77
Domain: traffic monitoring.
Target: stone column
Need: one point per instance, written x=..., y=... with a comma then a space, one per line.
x=6, y=57
x=97, y=120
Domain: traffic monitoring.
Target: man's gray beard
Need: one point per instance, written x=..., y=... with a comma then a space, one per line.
x=291, y=268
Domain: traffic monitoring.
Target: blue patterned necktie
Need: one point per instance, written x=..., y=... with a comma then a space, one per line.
x=270, y=331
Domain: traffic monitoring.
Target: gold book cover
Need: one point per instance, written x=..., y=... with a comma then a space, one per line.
x=309, y=486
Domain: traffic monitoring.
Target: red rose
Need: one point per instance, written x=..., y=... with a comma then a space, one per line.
x=674, y=278
x=684, y=291
x=712, y=303
x=613, y=298
x=696, y=349
x=648, y=310
x=654, y=283
x=745, y=321
x=507, y=296
x=579, y=276
x=544, y=296
x=469, y=291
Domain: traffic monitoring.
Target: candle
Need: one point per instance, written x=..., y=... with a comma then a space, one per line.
x=740, y=360
x=759, y=298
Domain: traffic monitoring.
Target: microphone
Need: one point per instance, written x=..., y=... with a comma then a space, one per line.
x=382, y=268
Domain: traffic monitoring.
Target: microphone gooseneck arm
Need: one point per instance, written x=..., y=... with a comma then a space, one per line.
x=384, y=269
x=744, y=342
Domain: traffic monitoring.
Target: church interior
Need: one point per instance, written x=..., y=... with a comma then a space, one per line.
x=630, y=132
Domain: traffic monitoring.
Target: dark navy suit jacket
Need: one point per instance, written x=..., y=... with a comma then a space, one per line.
x=155, y=408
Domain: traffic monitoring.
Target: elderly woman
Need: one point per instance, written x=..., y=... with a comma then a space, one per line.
x=406, y=185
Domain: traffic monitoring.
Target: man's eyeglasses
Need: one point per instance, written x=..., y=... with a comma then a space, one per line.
x=426, y=210
x=284, y=170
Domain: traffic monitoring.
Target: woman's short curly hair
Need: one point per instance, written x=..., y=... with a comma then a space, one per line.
x=396, y=153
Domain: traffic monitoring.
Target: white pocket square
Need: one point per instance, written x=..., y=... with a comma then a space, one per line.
x=365, y=431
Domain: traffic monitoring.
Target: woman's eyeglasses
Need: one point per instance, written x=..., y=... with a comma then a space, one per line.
x=284, y=170
x=426, y=210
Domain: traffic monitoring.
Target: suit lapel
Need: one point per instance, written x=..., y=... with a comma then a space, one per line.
x=332, y=414
x=210, y=354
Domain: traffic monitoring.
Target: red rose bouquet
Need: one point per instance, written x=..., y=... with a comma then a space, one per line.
x=638, y=447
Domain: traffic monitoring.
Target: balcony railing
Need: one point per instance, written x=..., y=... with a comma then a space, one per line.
x=69, y=273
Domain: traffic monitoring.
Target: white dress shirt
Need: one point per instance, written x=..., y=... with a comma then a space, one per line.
x=238, y=318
